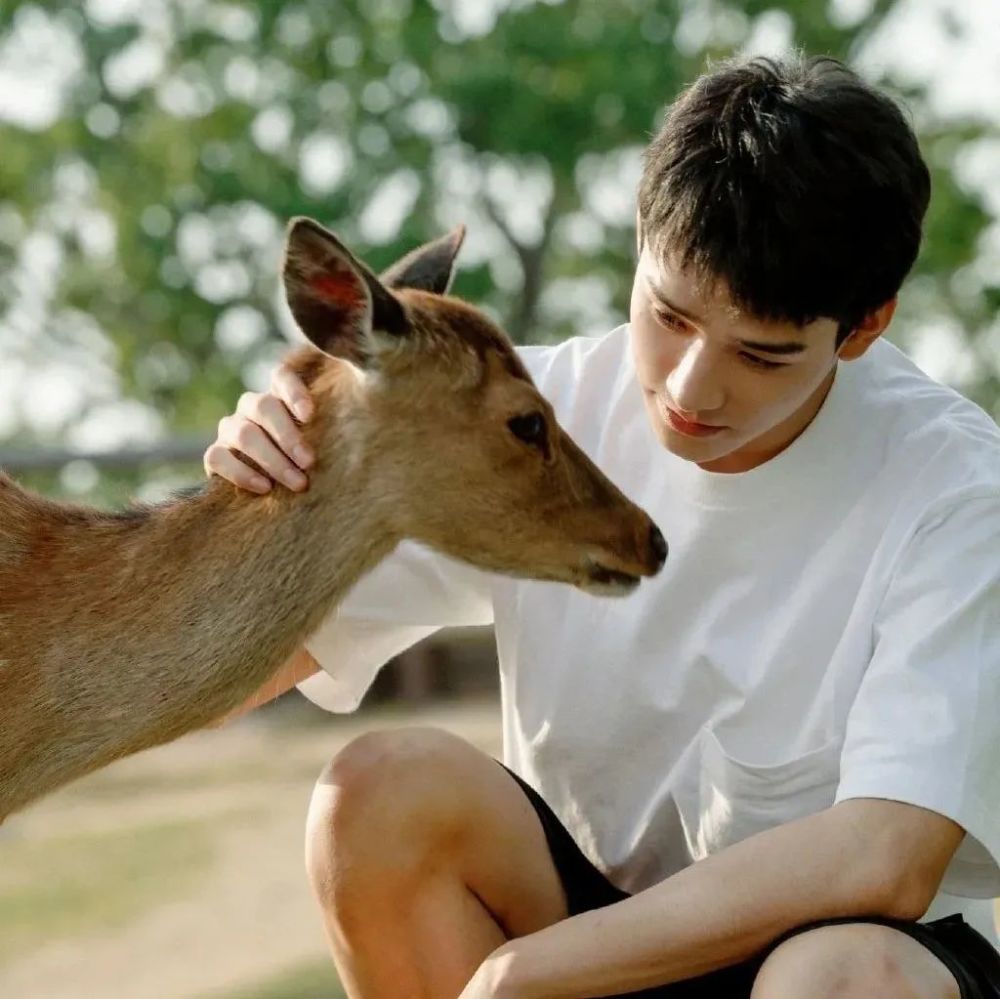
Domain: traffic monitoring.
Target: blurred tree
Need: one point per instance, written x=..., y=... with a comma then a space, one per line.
x=158, y=146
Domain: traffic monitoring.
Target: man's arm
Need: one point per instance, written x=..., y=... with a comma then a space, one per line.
x=861, y=857
x=298, y=668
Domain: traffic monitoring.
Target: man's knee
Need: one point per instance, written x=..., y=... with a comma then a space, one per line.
x=853, y=961
x=382, y=803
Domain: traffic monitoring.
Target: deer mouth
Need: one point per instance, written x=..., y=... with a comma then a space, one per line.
x=603, y=580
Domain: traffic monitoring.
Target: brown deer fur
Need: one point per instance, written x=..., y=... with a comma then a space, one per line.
x=120, y=631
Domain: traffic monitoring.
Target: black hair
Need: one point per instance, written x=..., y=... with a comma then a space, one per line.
x=795, y=182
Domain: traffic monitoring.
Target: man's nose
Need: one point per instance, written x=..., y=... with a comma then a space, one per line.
x=693, y=384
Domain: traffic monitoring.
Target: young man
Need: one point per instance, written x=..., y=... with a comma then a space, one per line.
x=772, y=771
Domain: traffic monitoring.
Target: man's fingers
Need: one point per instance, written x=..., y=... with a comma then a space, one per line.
x=219, y=460
x=263, y=431
x=271, y=413
x=246, y=437
x=288, y=387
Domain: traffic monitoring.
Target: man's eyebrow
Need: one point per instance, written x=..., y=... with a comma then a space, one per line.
x=785, y=348
x=791, y=347
x=663, y=300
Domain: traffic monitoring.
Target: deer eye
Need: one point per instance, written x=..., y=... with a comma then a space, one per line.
x=529, y=428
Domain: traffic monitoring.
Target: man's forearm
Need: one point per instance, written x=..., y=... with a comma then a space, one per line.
x=717, y=912
x=300, y=666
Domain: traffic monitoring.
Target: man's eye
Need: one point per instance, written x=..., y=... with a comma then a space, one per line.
x=529, y=428
x=759, y=362
x=669, y=320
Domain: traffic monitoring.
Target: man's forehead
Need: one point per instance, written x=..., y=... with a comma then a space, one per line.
x=688, y=288
x=705, y=299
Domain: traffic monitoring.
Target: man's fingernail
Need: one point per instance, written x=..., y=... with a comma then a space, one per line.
x=261, y=484
x=295, y=480
x=303, y=456
x=303, y=410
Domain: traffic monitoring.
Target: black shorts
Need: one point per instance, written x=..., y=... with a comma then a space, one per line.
x=967, y=954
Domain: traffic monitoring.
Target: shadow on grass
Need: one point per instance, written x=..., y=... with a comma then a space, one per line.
x=315, y=980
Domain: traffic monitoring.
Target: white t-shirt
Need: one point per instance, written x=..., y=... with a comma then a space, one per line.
x=827, y=626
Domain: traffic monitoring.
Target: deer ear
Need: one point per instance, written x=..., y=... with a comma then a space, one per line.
x=430, y=267
x=337, y=302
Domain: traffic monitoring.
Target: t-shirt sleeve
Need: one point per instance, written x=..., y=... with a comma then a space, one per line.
x=925, y=726
x=408, y=596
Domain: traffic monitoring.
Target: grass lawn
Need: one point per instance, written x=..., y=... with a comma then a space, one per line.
x=63, y=885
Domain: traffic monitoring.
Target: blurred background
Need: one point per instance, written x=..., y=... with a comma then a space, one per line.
x=151, y=152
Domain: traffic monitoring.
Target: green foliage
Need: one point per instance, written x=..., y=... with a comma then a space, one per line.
x=193, y=130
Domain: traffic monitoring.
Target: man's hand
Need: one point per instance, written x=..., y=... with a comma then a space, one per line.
x=264, y=430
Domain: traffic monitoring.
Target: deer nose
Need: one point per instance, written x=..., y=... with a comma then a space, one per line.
x=657, y=547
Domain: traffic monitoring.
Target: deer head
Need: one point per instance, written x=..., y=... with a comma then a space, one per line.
x=465, y=453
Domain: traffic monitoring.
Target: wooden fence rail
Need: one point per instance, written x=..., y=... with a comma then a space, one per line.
x=46, y=459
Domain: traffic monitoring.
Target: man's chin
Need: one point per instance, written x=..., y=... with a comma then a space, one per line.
x=694, y=449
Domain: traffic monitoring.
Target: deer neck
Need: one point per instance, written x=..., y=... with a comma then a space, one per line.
x=294, y=556
x=228, y=585
x=161, y=621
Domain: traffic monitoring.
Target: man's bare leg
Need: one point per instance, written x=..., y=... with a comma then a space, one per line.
x=424, y=855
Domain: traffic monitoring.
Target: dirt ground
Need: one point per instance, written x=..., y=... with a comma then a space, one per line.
x=243, y=916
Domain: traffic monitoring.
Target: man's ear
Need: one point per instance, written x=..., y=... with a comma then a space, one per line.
x=337, y=302
x=867, y=331
x=430, y=267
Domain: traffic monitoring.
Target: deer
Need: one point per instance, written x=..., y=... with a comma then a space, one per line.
x=124, y=630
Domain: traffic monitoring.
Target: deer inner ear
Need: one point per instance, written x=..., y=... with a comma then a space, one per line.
x=336, y=300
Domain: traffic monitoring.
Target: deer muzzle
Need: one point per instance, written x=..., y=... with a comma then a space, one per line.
x=610, y=576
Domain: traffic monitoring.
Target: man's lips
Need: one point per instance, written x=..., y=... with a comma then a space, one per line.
x=687, y=427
